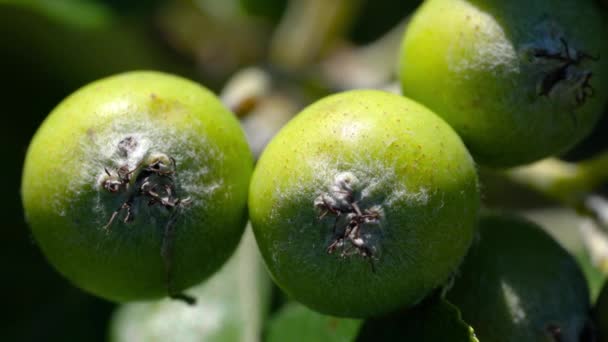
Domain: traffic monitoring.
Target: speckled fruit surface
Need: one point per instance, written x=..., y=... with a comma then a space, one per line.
x=363, y=203
x=135, y=186
x=519, y=80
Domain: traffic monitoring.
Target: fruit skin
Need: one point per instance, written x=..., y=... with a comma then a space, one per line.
x=518, y=284
x=408, y=164
x=479, y=65
x=67, y=206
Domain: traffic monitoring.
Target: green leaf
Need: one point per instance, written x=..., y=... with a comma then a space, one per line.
x=76, y=13
x=435, y=319
x=231, y=306
x=295, y=323
x=595, y=277
x=75, y=44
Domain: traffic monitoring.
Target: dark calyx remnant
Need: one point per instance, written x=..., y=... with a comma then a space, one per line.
x=554, y=332
x=341, y=202
x=568, y=68
x=151, y=180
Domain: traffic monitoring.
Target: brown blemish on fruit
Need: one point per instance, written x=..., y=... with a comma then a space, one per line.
x=91, y=133
x=245, y=106
x=150, y=182
x=164, y=108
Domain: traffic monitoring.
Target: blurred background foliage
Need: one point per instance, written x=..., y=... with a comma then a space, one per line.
x=290, y=52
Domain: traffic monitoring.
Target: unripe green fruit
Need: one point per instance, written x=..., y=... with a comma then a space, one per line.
x=135, y=186
x=519, y=80
x=363, y=203
x=518, y=284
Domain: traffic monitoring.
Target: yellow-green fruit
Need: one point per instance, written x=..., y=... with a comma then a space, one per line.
x=135, y=186
x=519, y=80
x=518, y=284
x=363, y=203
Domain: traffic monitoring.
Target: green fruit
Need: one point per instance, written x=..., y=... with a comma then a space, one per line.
x=519, y=80
x=518, y=284
x=135, y=186
x=363, y=203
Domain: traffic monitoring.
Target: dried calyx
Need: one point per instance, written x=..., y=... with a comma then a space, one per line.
x=564, y=72
x=350, y=220
x=150, y=182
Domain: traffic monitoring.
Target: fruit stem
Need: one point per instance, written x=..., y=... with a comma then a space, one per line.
x=573, y=185
x=307, y=28
x=568, y=183
x=369, y=66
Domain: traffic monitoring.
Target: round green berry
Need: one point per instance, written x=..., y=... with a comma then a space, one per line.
x=135, y=186
x=519, y=80
x=363, y=203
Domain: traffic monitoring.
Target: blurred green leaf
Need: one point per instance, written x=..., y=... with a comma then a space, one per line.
x=563, y=225
x=378, y=17
x=595, y=277
x=231, y=306
x=295, y=323
x=75, y=45
x=435, y=319
x=270, y=9
x=78, y=13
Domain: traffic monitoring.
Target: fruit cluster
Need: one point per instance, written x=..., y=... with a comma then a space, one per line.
x=366, y=204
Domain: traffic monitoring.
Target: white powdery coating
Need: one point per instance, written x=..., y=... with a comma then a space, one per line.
x=378, y=188
x=372, y=176
x=99, y=151
x=489, y=50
